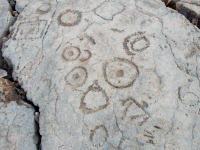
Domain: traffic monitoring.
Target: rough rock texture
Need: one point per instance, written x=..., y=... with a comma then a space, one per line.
x=17, y=130
x=109, y=75
x=6, y=18
x=191, y=10
x=17, y=124
x=196, y=2
x=192, y=7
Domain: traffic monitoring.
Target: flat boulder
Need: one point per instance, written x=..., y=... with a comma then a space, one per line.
x=109, y=75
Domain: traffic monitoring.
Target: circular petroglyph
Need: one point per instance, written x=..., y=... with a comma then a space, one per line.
x=71, y=53
x=76, y=77
x=69, y=18
x=120, y=73
x=94, y=99
x=99, y=135
x=44, y=8
x=135, y=42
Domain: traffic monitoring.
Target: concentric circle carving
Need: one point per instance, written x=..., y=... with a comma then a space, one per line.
x=76, y=77
x=71, y=53
x=135, y=42
x=120, y=73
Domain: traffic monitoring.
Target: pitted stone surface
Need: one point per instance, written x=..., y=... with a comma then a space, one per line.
x=109, y=75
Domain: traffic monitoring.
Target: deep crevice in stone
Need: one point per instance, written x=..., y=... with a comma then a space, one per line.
x=12, y=4
x=189, y=14
x=22, y=94
x=36, y=115
x=4, y=65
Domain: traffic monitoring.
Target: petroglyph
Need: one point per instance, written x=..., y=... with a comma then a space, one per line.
x=120, y=73
x=87, y=55
x=135, y=42
x=153, y=131
x=99, y=135
x=139, y=51
x=30, y=30
x=138, y=114
x=69, y=18
x=71, y=53
x=76, y=77
x=94, y=99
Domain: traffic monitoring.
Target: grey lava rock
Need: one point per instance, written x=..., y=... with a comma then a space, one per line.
x=109, y=75
x=17, y=127
x=17, y=130
x=6, y=18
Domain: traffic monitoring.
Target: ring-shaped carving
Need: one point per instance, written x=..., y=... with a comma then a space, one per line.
x=73, y=18
x=94, y=88
x=76, y=77
x=88, y=55
x=131, y=40
x=104, y=137
x=71, y=53
x=120, y=73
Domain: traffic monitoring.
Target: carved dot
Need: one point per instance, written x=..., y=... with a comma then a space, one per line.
x=44, y=8
x=69, y=18
x=76, y=77
x=71, y=53
x=120, y=73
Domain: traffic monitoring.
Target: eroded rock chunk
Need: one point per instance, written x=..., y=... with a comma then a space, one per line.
x=109, y=74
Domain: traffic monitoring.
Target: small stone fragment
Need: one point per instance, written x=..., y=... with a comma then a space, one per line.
x=3, y=73
x=15, y=13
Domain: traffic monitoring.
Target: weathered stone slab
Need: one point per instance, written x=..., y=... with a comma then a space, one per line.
x=109, y=75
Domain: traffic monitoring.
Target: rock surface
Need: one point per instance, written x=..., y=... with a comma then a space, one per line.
x=191, y=10
x=109, y=75
x=17, y=122
x=6, y=18
x=17, y=129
